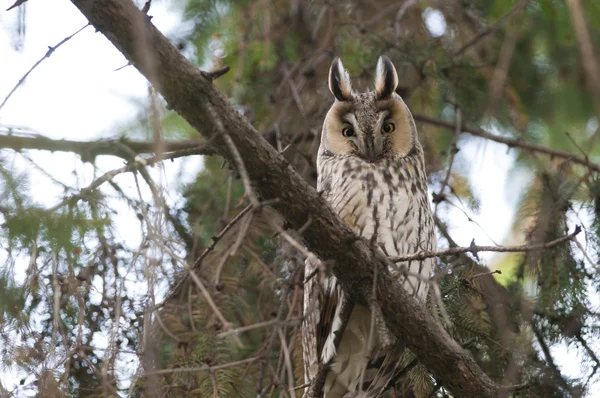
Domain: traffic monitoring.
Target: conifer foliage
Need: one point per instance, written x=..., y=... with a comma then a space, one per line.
x=207, y=300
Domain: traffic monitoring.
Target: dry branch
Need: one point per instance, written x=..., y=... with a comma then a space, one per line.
x=50, y=51
x=137, y=164
x=491, y=28
x=586, y=47
x=475, y=249
x=90, y=149
x=194, y=97
x=511, y=142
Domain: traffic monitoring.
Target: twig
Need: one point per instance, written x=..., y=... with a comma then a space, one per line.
x=242, y=170
x=470, y=278
x=475, y=249
x=213, y=243
x=215, y=74
x=590, y=352
x=232, y=250
x=47, y=55
x=204, y=368
x=515, y=388
x=165, y=329
x=550, y=361
x=237, y=158
x=16, y=4
x=511, y=142
x=576, y=145
x=588, y=57
x=587, y=257
x=453, y=151
x=399, y=15
x=138, y=163
x=288, y=362
x=146, y=7
x=291, y=240
x=295, y=95
x=491, y=28
x=256, y=326
x=500, y=75
x=216, y=238
x=190, y=308
x=204, y=290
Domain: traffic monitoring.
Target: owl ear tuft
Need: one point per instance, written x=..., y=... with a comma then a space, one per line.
x=386, y=78
x=339, y=81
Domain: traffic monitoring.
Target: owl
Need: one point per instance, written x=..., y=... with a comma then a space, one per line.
x=371, y=171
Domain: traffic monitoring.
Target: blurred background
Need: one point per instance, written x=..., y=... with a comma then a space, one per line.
x=93, y=295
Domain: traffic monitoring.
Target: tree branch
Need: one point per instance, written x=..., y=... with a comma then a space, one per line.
x=137, y=164
x=491, y=28
x=475, y=249
x=47, y=55
x=586, y=47
x=90, y=149
x=511, y=142
x=194, y=97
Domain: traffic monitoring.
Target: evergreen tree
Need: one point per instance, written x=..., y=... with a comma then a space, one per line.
x=210, y=302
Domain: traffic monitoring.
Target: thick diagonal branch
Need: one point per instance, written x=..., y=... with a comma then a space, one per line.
x=195, y=98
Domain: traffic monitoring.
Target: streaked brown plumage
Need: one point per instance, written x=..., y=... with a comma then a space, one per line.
x=371, y=171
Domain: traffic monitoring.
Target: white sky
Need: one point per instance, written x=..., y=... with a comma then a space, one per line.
x=77, y=94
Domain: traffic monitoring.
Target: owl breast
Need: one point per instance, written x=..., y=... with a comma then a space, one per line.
x=387, y=204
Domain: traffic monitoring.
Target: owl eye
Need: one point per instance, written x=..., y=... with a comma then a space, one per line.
x=388, y=128
x=348, y=132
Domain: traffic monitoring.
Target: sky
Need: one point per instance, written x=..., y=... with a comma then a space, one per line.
x=79, y=94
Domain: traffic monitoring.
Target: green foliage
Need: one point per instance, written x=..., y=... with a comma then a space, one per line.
x=83, y=286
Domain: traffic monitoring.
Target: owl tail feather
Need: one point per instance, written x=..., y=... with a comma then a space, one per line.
x=386, y=372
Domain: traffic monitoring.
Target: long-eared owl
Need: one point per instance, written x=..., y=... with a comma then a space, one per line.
x=371, y=171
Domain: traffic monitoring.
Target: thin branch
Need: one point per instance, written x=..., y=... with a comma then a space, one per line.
x=257, y=325
x=242, y=170
x=211, y=246
x=453, y=151
x=491, y=28
x=204, y=368
x=511, y=142
x=585, y=254
x=16, y=4
x=215, y=74
x=288, y=362
x=399, y=15
x=12, y=138
x=135, y=165
x=475, y=249
x=586, y=47
x=500, y=75
x=47, y=55
x=515, y=388
x=204, y=290
x=550, y=361
x=590, y=352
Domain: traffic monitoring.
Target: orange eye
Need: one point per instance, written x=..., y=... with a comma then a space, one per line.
x=388, y=128
x=348, y=132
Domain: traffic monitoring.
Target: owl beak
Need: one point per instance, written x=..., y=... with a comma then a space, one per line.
x=370, y=150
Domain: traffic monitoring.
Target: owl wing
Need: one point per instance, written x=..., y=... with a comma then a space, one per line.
x=312, y=311
x=324, y=303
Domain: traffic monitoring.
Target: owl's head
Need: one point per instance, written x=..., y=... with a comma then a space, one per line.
x=372, y=126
